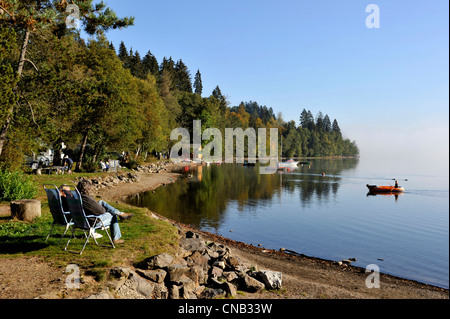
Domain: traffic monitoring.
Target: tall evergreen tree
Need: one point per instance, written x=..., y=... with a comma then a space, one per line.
x=327, y=124
x=150, y=64
x=182, y=78
x=198, y=86
x=335, y=128
x=217, y=94
x=123, y=54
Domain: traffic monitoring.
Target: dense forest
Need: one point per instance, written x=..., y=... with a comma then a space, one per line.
x=57, y=88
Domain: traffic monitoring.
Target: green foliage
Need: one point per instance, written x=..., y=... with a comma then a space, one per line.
x=97, y=102
x=16, y=186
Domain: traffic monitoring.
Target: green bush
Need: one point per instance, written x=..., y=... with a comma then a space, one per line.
x=15, y=186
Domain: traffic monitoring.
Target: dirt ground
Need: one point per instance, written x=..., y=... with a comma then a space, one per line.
x=303, y=277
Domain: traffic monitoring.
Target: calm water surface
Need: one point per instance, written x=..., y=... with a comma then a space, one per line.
x=329, y=217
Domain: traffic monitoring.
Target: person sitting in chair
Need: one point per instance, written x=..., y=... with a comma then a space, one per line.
x=105, y=211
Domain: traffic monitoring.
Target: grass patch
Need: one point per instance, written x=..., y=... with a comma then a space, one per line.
x=143, y=235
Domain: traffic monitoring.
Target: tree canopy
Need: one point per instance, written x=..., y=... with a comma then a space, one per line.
x=57, y=89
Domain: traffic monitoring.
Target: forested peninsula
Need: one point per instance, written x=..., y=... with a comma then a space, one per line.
x=58, y=89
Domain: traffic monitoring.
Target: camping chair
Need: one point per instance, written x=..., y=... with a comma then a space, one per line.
x=87, y=223
x=60, y=217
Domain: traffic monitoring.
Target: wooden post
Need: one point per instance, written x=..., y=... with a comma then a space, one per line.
x=26, y=209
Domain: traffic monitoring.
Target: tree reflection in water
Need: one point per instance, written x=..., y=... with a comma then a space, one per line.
x=202, y=195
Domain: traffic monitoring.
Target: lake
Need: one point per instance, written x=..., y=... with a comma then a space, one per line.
x=330, y=217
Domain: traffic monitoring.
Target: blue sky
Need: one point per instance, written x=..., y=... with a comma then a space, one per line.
x=387, y=87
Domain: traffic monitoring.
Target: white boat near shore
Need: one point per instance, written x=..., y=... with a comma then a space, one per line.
x=288, y=164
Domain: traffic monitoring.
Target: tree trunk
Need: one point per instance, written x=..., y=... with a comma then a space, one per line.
x=83, y=148
x=9, y=114
x=57, y=148
x=26, y=209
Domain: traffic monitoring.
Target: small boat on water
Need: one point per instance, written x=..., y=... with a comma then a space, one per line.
x=288, y=164
x=384, y=189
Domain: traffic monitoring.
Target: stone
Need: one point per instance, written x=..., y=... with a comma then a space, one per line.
x=175, y=272
x=272, y=279
x=216, y=272
x=250, y=284
x=104, y=294
x=197, y=274
x=230, y=276
x=211, y=293
x=190, y=234
x=220, y=264
x=158, y=261
x=233, y=262
x=193, y=244
x=157, y=275
x=198, y=259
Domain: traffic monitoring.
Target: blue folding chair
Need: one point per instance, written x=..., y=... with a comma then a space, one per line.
x=60, y=216
x=87, y=223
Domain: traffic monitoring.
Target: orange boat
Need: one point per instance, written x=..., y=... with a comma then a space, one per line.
x=385, y=189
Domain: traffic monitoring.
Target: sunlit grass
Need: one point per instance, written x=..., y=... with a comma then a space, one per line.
x=144, y=236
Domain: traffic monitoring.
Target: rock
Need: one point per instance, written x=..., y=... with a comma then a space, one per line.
x=158, y=261
x=198, y=259
x=175, y=272
x=219, y=263
x=190, y=234
x=230, y=276
x=232, y=262
x=157, y=275
x=229, y=288
x=193, y=244
x=271, y=279
x=250, y=284
x=211, y=293
x=216, y=272
x=104, y=294
x=197, y=275
x=136, y=287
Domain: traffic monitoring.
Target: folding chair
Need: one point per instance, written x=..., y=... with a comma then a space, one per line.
x=87, y=223
x=60, y=217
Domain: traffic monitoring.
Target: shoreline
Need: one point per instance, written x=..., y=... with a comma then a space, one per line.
x=321, y=274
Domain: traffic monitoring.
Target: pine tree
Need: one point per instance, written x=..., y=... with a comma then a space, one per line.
x=319, y=122
x=150, y=64
x=182, y=77
x=217, y=94
x=136, y=66
x=327, y=124
x=198, y=86
x=123, y=54
x=335, y=128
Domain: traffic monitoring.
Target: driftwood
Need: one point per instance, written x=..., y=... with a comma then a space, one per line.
x=26, y=209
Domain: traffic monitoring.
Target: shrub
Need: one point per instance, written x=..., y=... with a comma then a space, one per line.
x=15, y=185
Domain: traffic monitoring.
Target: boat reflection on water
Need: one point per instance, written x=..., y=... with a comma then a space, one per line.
x=396, y=195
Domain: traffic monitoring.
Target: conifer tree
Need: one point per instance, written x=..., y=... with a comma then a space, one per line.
x=123, y=53
x=150, y=64
x=335, y=128
x=198, y=86
x=182, y=77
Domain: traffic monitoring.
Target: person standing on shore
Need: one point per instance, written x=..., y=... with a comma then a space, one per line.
x=69, y=163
